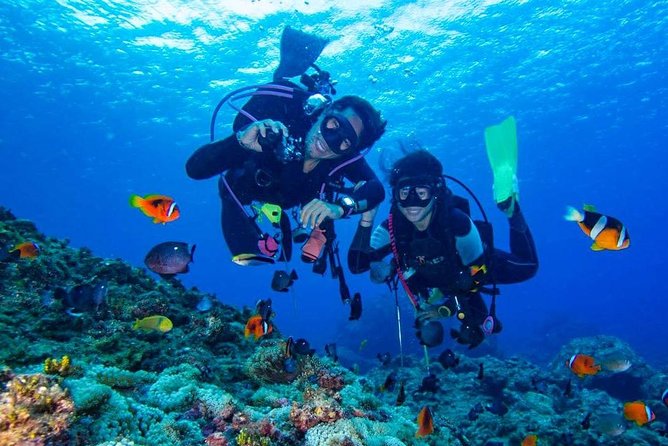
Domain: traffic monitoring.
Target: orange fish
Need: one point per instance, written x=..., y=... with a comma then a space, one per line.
x=425, y=422
x=26, y=250
x=583, y=365
x=257, y=327
x=606, y=232
x=162, y=208
x=639, y=412
x=530, y=440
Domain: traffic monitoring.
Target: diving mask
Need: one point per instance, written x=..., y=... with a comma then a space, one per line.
x=414, y=193
x=339, y=133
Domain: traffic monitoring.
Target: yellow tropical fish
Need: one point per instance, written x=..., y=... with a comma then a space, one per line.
x=153, y=323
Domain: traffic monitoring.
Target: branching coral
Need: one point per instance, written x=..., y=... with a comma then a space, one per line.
x=53, y=366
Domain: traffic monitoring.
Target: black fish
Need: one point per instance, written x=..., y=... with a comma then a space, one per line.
x=429, y=384
x=384, y=358
x=264, y=309
x=568, y=389
x=82, y=298
x=389, y=383
x=497, y=407
x=355, y=307
x=475, y=412
x=301, y=347
x=448, y=359
x=282, y=281
x=401, y=398
x=586, y=423
x=330, y=350
x=170, y=258
x=481, y=372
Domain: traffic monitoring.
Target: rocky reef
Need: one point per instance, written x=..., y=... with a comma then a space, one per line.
x=88, y=378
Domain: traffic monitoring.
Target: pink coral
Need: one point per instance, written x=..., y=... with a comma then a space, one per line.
x=304, y=417
x=216, y=439
x=34, y=410
x=330, y=382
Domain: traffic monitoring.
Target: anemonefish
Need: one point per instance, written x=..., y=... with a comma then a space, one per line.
x=664, y=397
x=162, y=208
x=257, y=327
x=639, y=412
x=583, y=365
x=425, y=422
x=530, y=440
x=26, y=250
x=606, y=232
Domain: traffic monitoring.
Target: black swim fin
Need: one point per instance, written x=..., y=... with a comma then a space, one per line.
x=298, y=51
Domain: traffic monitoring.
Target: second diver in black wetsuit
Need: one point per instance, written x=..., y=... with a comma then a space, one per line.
x=439, y=253
x=286, y=152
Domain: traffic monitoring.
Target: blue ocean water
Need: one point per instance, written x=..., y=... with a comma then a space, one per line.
x=101, y=100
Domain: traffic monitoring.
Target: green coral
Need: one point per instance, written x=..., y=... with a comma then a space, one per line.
x=246, y=439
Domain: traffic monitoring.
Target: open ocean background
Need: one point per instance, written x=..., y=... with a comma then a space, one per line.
x=103, y=99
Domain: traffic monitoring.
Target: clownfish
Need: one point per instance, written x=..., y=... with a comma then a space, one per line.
x=639, y=412
x=425, y=422
x=26, y=250
x=257, y=327
x=606, y=232
x=162, y=208
x=530, y=440
x=664, y=397
x=583, y=365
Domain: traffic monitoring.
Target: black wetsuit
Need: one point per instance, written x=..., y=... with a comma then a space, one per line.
x=432, y=259
x=262, y=177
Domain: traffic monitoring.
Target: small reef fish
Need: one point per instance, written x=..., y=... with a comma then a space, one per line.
x=639, y=412
x=617, y=365
x=583, y=365
x=401, y=397
x=664, y=397
x=429, y=384
x=330, y=351
x=257, y=327
x=606, y=232
x=264, y=309
x=425, y=422
x=530, y=440
x=363, y=344
x=282, y=281
x=162, y=208
x=448, y=359
x=299, y=347
x=568, y=388
x=390, y=382
x=586, y=421
x=384, y=358
x=170, y=258
x=27, y=250
x=158, y=323
x=355, y=307
x=82, y=298
x=610, y=424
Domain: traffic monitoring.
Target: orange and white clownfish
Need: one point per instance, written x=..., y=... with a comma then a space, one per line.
x=606, y=232
x=583, y=365
x=162, y=208
x=639, y=412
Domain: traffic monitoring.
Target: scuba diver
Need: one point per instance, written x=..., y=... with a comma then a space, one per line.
x=291, y=146
x=444, y=259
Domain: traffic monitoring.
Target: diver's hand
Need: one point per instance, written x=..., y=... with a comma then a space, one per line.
x=249, y=137
x=368, y=217
x=316, y=211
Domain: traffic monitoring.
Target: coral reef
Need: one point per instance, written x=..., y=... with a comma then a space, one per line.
x=202, y=383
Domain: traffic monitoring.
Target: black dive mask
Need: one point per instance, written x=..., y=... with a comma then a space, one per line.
x=338, y=133
x=411, y=193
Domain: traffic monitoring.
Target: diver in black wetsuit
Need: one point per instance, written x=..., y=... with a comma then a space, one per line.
x=444, y=259
x=286, y=152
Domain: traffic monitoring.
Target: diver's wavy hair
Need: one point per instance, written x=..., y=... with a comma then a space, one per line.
x=374, y=124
